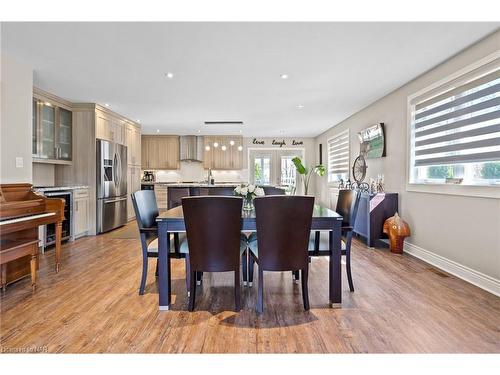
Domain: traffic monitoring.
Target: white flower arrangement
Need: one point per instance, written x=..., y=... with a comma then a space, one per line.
x=248, y=191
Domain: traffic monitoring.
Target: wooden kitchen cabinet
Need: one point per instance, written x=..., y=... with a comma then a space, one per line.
x=218, y=158
x=109, y=128
x=133, y=142
x=133, y=185
x=80, y=213
x=160, y=152
x=161, y=193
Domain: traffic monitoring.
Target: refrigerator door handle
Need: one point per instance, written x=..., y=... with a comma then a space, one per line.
x=115, y=200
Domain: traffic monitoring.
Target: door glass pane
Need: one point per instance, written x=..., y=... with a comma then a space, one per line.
x=262, y=170
x=34, y=137
x=288, y=172
x=64, y=135
x=48, y=132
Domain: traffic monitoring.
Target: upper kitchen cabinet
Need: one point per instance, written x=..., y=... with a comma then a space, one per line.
x=52, y=137
x=160, y=152
x=110, y=128
x=223, y=152
x=133, y=143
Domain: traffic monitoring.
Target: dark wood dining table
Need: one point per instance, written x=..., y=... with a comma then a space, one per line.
x=324, y=219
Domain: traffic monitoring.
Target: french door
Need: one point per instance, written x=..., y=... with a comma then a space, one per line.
x=274, y=167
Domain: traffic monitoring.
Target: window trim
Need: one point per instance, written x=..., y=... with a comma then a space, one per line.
x=490, y=191
x=335, y=183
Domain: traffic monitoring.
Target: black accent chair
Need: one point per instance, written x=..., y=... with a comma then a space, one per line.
x=146, y=211
x=283, y=228
x=347, y=206
x=214, y=240
x=271, y=190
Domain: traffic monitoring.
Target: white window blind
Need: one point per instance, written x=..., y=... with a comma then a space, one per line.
x=458, y=122
x=338, y=157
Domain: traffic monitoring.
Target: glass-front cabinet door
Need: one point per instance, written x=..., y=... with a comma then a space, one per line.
x=63, y=136
x=47, y=132
x=34, y=136
x=52, y=131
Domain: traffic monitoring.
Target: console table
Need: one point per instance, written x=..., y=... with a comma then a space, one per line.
x=373, y=210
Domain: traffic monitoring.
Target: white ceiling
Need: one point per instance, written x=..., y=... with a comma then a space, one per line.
x=231, y=71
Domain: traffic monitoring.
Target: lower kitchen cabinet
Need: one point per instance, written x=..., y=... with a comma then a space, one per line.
x=161, y=193
x=133, y=185
x=80, y=213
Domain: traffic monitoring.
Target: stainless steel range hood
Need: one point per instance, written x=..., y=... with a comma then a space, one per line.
x=191, y=148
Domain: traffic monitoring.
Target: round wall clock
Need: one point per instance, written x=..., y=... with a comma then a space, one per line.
x=359, y=169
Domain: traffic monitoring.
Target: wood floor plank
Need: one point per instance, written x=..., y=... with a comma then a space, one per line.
x=400, y=305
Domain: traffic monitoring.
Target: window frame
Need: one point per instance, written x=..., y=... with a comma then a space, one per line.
x=347, y=131
x=485, y=191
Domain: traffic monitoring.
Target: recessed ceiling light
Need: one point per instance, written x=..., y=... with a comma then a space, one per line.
x=157, y=130
x=223, y=147
x=240, y=148
x=106, y=105
x=198, y=131
x=300, y=106
x=169, y=75
x=231, y=142
x=207, y=148
x=284, y=76
x=216, y=144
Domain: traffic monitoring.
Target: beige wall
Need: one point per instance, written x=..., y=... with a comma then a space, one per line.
x=465, y=230
x=15, y=120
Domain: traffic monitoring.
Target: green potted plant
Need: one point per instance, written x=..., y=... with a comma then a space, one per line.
x=306, y=173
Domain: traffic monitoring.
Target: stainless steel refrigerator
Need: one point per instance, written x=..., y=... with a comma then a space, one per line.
x=111, y=185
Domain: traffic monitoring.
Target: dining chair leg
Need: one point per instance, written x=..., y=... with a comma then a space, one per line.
x=144, y=273
x=295, y=275
x=237, y=290
x=348, y=267
x=251, y=266
x=260, y=294
x=199, y=278
x=192, y=291
x=305, y=288
x=244, y=266
x=156, y=272
x=188, y=275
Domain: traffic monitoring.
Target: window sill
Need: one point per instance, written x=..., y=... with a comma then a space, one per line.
x=480, y=191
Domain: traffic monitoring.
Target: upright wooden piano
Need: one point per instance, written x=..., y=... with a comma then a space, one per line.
x=22, y=211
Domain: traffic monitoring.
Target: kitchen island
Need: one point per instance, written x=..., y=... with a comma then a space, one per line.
x=169, y=194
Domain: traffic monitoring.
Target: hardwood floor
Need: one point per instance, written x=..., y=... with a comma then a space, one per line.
x=400, y=305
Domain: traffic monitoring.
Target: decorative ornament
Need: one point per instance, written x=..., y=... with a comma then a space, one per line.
x=397, y=229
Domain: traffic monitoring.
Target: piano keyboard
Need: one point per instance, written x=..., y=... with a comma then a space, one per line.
x=26, y=218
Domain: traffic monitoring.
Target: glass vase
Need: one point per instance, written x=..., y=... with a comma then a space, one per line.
x=247, y=204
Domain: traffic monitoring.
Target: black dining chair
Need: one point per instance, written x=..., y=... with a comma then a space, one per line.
x=272, y=190
x=347, y=206
x=283, y=230
x=214, y=241
x=146, y=211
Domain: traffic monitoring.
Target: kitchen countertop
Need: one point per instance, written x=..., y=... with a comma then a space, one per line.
x=42, y=189
x=192, y=184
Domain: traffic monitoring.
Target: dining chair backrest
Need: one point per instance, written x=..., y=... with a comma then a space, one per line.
x=347, y=206
x=283, y=229
x=213, y=228
x=271, y=190
x=145, y=207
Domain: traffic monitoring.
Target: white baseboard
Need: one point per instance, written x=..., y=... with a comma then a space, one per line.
x=476, y=278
